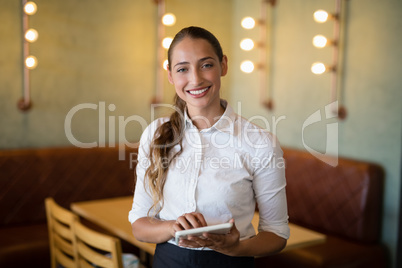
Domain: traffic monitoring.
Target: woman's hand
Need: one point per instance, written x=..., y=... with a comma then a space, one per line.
x=225, y=244
x=188, y=221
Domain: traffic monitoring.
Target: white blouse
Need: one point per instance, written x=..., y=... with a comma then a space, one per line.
x=222, y=172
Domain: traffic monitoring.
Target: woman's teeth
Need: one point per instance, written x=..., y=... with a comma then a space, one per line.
x=197, y=92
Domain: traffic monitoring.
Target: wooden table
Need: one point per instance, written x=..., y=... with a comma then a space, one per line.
x=112, y=215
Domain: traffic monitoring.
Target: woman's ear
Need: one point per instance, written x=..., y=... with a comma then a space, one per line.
x=224, y=65
x=169, y=75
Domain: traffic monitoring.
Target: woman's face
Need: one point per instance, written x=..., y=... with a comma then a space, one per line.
x=196, y=72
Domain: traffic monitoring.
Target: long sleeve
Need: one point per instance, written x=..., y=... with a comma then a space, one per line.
x=269, y=184
x=142, y=200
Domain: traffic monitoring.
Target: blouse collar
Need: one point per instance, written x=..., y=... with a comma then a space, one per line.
x=225, y=123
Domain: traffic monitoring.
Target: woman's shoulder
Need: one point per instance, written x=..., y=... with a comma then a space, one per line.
x=244, y=125
x=158, y=121
x=149, y=131
x=255, y=136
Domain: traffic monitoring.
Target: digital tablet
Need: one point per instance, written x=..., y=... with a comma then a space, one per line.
x=223, y=228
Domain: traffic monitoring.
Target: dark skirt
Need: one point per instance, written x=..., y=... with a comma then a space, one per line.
x=171, y=256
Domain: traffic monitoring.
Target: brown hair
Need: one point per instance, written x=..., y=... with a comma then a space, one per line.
x=169, y=134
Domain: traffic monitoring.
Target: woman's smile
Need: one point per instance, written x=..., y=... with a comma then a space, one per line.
x=199, y=92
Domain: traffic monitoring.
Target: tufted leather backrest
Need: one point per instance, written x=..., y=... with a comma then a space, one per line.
x=345, y=200
x=28, y=176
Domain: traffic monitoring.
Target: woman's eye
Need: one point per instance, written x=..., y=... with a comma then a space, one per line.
x=181, y=70
x=207, y=65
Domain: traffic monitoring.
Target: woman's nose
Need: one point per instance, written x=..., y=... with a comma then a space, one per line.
x=196, y=77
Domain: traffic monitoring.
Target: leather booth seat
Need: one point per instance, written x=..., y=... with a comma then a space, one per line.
x=68, y=175
x=344, y=202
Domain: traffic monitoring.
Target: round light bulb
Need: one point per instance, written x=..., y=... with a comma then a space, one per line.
x=30, y=8
x=31, y=62
x=166, y=42
x=165, y=65
x=318, y=68
x=169, y=19
x=320, y=41
x=248, y=23
x=31, y=35
x=247, y=66
x=247, y=44
x=321, y=16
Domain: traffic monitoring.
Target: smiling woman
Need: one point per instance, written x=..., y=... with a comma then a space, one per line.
x=195, y=73
x=198, y=131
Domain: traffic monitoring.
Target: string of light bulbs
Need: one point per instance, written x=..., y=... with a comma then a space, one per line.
x=163, y=43
x=30, y=35
x=320, y=41
x=247, y=44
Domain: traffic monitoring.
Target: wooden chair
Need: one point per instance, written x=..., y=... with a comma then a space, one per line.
x=91, y=247
x=59, y=221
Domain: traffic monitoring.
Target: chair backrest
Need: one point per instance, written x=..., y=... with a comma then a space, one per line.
x=59, y=221
x=91, y=248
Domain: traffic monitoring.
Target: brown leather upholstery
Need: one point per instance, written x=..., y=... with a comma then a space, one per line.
x=343, y=202
x=24, y=246
x=68, y=175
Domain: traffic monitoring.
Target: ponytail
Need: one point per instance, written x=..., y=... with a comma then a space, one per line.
x=168, y=135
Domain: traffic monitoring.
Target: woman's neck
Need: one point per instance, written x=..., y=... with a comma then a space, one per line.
x=205, y=118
